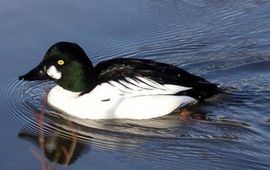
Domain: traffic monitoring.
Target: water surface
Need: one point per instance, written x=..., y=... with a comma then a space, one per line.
x=227, y=42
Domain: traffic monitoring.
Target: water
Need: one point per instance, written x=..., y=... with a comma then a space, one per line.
x=227, y=42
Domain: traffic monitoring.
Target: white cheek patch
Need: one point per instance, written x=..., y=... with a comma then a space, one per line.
x=54, y=73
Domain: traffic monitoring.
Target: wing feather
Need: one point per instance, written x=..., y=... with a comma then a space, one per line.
x=150, y=77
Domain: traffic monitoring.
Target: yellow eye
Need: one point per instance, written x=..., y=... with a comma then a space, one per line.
x=60, y=62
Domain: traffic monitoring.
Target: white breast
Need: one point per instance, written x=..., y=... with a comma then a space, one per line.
x=117, y=100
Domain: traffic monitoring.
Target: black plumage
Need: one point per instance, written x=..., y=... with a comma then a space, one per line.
x=121, y=68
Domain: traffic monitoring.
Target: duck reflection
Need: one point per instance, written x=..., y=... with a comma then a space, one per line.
x=57, y=146
x=62, y=142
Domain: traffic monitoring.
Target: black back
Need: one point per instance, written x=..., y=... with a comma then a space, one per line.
x=120, y=68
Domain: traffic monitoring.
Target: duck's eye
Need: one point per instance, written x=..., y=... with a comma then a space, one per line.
x=60, y=62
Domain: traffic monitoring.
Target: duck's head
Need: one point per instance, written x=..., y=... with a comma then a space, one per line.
x=66, y=64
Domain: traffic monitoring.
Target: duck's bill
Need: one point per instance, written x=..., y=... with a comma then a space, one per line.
x=38, y=73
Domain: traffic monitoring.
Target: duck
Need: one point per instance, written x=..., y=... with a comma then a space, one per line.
x=118, y=88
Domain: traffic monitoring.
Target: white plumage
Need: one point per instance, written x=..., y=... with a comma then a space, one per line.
x=54, y=73
x=131, y=99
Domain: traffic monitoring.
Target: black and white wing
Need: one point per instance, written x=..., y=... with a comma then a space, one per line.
x=146, y=77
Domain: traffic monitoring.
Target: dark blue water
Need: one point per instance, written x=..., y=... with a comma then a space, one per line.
x=225, y=41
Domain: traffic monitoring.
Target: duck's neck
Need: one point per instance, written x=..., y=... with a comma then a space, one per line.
x=79, y=79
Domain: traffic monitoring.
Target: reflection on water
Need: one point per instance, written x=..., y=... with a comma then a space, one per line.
x=56, y=148
x=214, y=130
x=196, y=133
x=226, y=42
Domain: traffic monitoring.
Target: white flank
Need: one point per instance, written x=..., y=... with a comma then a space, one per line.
x=54, y=73
x=131, y=99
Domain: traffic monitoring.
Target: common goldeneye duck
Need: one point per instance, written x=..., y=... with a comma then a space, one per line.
x=117, y=88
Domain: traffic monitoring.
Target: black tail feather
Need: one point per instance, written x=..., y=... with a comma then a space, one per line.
x=201, y=91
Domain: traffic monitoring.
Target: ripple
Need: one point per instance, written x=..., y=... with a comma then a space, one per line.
x=225, y=41
x=24, y=105
x=21, y=101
